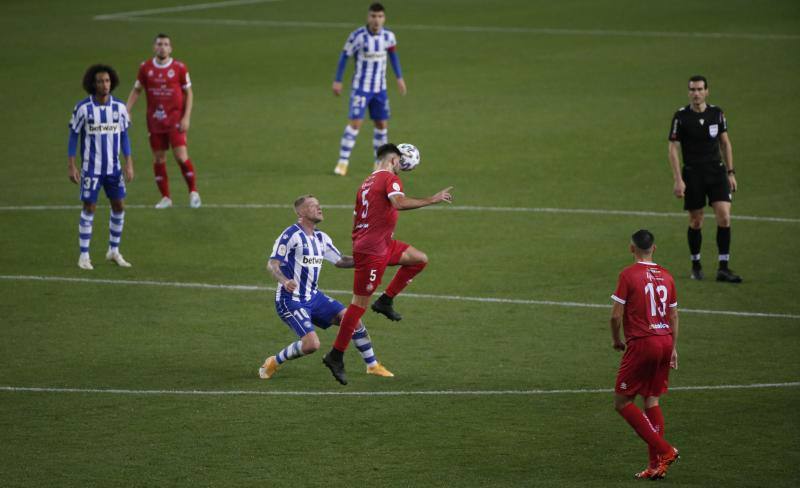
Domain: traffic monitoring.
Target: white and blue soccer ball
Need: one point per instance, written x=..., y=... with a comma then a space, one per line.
x=409, y=156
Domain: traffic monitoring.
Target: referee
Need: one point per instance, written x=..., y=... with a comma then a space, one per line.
x=699, y=133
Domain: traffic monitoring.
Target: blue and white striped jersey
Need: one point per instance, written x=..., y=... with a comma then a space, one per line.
x=301, y=258
x=370, y=56
x=100, y=129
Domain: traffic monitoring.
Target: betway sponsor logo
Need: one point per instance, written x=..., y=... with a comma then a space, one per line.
x=372, y=56
x=106, y=128
x=312, y=260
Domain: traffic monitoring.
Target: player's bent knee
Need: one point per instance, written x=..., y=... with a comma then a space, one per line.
x=310, y=344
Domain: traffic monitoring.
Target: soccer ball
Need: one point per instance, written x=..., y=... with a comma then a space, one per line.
x=409, y=156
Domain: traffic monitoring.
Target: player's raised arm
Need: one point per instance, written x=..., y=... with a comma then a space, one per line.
x=402, y=202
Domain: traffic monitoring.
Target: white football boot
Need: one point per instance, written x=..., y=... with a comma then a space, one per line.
x=115, y=256
x=84, y=262
x=165, y=202
x=194, y=200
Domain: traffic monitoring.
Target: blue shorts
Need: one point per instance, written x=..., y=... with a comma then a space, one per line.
x=378, y=104
x=114, y=186
x=301, y=317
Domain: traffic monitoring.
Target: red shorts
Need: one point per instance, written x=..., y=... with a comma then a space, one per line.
x=645, y=367
x=163, y=140
x=370, y=268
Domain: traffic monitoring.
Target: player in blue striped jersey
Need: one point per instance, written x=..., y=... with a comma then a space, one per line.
x=370, y=46
x=296, y=262
x=100, y=122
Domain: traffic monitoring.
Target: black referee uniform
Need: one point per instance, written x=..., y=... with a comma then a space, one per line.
x=703, y=169
x=705, y=176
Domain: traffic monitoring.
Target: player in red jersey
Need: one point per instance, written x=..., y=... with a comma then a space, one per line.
x=646, y=306
x=169, y=112
x=375, y=217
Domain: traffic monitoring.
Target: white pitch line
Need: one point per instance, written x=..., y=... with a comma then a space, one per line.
x=460, y=28
x=514, y=301
x=450, y=208
x=180, y=8
x=121, y=391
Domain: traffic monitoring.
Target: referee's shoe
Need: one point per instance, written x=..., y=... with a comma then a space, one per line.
x=728, y=276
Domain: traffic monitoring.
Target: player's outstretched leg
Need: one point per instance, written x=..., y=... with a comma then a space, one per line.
x=308, y=344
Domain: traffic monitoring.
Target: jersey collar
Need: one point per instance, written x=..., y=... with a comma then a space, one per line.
x=95, y=102
x=165, y=65
x=646, y=263
x=369, y=31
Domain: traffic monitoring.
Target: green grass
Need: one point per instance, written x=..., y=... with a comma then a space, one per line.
x=512, y=119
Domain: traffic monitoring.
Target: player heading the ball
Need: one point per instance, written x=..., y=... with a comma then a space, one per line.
x=378, y=201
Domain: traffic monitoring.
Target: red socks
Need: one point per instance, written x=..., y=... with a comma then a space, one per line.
x=657, y=420
x=160, y=170
x=349, y=323
x=187, y=168
x=403, y=277
x=641, y=424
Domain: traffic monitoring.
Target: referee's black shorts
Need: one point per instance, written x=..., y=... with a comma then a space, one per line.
x=704, y=184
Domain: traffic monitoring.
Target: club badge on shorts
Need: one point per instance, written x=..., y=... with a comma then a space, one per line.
x=713, y=130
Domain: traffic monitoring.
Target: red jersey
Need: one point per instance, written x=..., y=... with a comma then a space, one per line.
x=164, y=85
x=646, y=290
x=375, y=218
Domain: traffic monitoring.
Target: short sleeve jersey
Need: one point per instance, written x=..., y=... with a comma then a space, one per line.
x=375, y=218
x=164, y=85
x=99, y=128
x=301, y=256
x=369, y=52
x=646, y=290
x=698, y=133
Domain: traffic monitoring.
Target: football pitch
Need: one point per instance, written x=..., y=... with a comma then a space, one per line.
x=550, y=119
